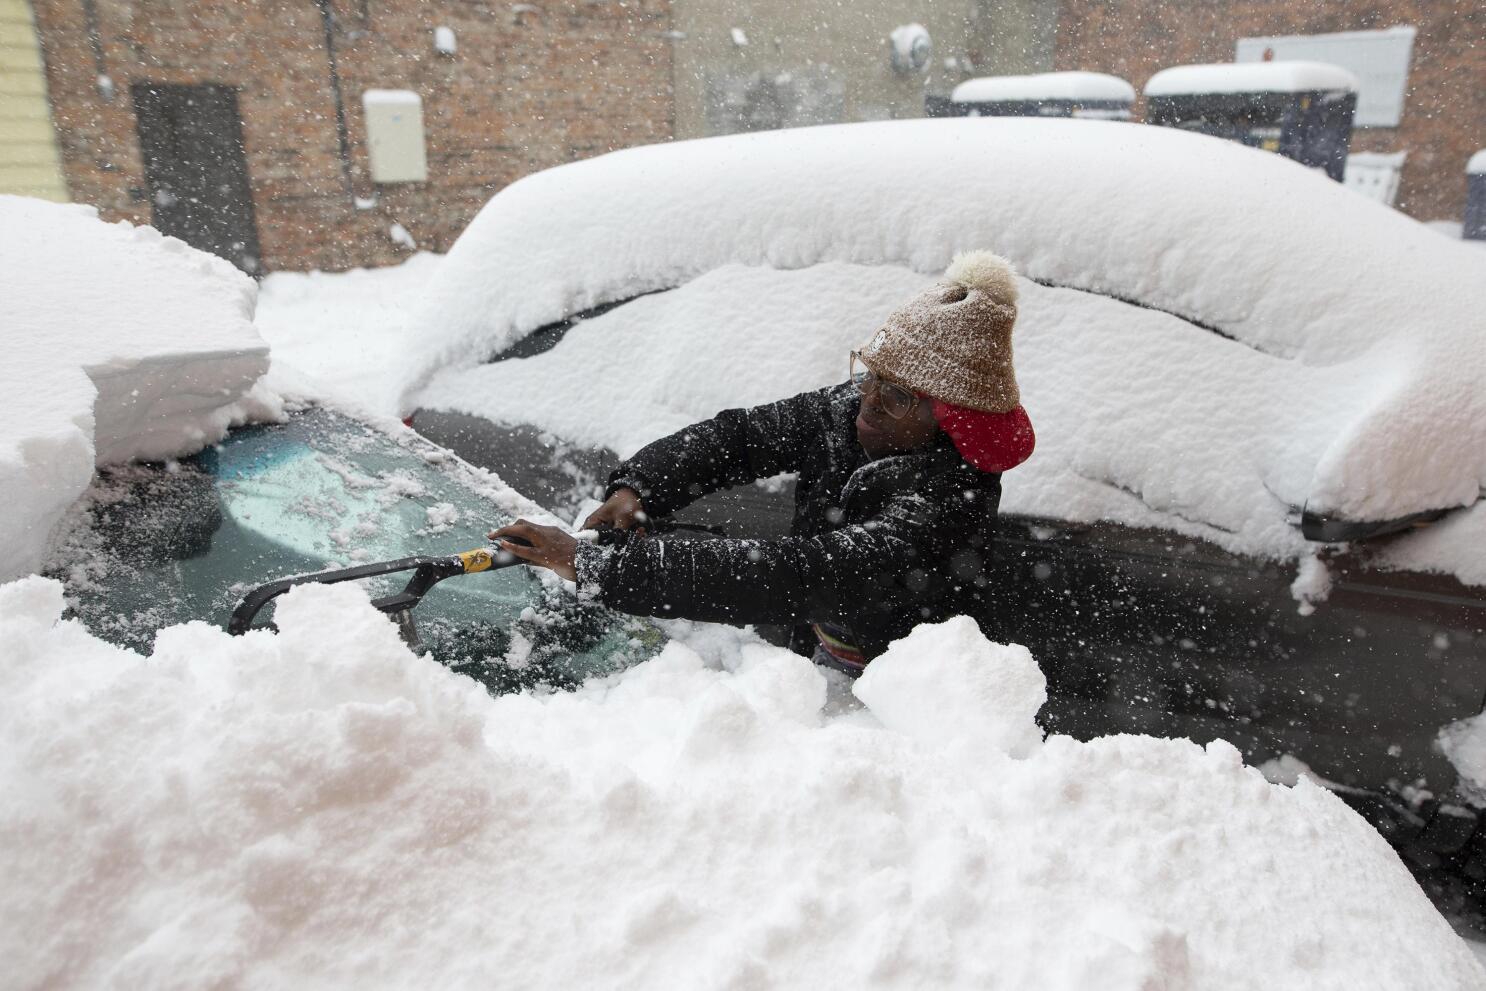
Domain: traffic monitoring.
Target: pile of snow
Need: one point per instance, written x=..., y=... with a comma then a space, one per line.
x=1327, y=352
x=1081, y=87
x=323, y=808
x=343, y=336
x=1292, y=76
x=120, y=344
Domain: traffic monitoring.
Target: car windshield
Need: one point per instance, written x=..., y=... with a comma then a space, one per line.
x=150, y=546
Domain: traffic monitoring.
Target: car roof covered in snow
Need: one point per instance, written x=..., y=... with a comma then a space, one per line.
x=1077, y=86
x=1251, y=77
x=1293, y=344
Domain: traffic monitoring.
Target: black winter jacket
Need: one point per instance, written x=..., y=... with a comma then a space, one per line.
x=875, y=547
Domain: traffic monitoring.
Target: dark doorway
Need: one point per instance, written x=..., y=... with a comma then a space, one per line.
x=191, y=138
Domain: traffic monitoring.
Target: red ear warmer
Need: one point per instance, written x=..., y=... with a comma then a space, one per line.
x=989, y=441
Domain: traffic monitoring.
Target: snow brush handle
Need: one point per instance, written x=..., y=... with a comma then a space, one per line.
x=427, y=572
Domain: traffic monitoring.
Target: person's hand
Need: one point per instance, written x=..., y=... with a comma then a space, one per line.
x=544, y=546
x=622, y=511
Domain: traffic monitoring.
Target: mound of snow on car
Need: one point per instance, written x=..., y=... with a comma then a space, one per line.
x=121, y=344
x=1341, y=334
x=343, y=336
x=324, y=808
x=1140, y=417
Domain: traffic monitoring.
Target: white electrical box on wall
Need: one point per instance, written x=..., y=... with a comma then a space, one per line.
x=394, y=135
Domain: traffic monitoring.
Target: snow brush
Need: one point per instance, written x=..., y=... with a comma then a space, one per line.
x=427, y=572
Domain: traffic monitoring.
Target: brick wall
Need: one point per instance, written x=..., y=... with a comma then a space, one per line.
x=1444, y=117
x=530, y=86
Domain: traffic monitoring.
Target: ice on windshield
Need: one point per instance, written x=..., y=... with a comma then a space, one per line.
x=149, y=546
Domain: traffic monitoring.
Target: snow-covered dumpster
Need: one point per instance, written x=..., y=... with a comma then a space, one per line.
x=1302, y=110
x=1046, y=94
x=1475, y=197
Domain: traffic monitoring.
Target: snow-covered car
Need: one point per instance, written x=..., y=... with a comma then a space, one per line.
x=1252, y=390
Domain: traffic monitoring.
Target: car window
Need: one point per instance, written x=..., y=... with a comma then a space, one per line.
x=149, y=546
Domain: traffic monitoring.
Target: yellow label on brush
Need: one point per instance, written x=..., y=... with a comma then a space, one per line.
x=476, y=560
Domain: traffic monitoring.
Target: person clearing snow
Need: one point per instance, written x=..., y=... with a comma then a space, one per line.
x=895, y=509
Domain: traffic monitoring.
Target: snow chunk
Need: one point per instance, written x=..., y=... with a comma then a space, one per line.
x=1251, y=77
x=1477, y=163
x=398, y=235
x=1074, y=86
x=998, y=690
x=121, y=344
x=1452, y=547
x=1464, y=743
x=442, y=516
x=1312, y=582
x=220, y=813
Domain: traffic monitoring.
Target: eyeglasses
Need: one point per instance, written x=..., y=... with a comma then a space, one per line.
x=896, y=401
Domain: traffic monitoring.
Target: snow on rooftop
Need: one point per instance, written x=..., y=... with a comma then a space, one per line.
x=1327, y=342
x=324, y=808
x=1251, y=77
x=1073, y=86
x=121, y=344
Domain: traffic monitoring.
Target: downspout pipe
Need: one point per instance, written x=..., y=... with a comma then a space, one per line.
x=327, y=17
x=95, y=44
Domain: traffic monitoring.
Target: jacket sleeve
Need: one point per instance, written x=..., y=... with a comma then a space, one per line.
x=734, y=447
x=818, y=578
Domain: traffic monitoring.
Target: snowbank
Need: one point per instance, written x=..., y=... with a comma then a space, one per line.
x=1080, y=86
x=120, y=344
x=322, y=808
x=1297, y=285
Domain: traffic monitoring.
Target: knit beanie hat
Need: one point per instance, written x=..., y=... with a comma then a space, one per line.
x=953, y=340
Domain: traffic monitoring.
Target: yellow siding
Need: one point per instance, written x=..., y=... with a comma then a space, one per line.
x=29, y=164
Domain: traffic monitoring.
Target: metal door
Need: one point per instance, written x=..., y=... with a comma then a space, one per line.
x=191, y=139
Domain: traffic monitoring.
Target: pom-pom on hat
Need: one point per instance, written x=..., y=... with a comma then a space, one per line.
x=953, y=340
